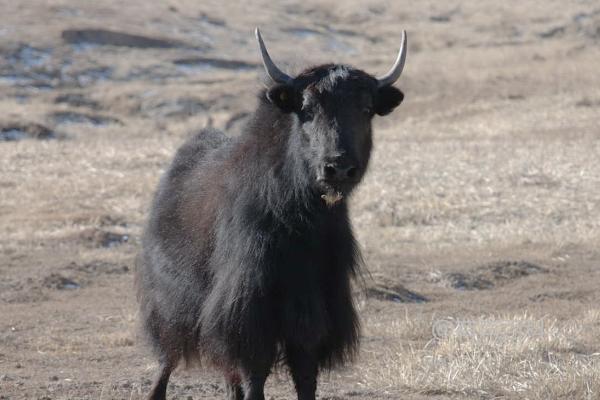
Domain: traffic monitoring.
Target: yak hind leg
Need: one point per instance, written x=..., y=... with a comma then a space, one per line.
x=159, y=387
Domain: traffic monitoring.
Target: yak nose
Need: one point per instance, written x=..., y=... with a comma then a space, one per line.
x=339, y=170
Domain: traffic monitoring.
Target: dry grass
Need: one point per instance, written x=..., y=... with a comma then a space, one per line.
x=494, y=155
x=511, y=356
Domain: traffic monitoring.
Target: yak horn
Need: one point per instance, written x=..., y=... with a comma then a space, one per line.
x=395, y=72
x=273, y=71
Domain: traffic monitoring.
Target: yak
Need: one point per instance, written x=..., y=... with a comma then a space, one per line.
x=248, y=255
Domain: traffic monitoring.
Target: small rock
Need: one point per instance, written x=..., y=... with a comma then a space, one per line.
x=394, y=292
x=462, y=281
x=557, y=31
x=209, y=62
x=76, y=100
x=57, y=281
x=19, y=131
x=71, y=117
x=103, y=37
x=102, y=238
x=114, y=239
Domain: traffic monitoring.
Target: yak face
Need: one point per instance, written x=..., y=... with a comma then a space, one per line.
x=333, y=107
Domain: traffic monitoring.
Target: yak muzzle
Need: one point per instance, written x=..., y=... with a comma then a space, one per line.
x=339, y=170
x=336, y=179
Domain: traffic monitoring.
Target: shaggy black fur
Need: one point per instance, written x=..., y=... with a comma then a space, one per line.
x=243, y=262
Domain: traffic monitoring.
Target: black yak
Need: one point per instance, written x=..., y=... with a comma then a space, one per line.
x=248, y=255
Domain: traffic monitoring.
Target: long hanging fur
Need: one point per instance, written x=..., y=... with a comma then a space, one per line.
x=241, y=257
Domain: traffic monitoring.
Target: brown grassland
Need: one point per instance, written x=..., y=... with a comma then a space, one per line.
x=479, y=219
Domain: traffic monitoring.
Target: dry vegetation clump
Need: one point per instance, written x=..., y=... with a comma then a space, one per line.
x=512, y=356
x=479, y=215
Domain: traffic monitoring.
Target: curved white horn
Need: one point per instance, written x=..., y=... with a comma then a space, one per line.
x=394, y=73
x=272, y=70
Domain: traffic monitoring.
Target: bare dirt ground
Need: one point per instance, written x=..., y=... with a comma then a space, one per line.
x=479, y=219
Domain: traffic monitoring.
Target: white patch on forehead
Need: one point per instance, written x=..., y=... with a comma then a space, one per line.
x=306, y=99
x=326, y=84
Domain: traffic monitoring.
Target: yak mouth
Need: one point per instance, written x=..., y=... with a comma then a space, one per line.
x=334, y=191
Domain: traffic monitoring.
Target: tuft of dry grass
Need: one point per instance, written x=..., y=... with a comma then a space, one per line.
x=507, y=356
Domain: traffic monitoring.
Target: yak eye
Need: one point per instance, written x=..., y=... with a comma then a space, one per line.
x=367, y=111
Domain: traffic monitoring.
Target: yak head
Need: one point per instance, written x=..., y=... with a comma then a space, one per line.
x=333, y=107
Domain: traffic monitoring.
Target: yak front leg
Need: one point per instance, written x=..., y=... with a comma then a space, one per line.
x=159, y=388
x=233, y=384
x=254, y=376
x=304, y=369
x=254, y=387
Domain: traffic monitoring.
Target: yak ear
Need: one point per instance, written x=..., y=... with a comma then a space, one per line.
x=284, y=97
x=388, y=98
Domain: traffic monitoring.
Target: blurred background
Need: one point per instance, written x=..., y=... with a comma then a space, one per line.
x=481, y=207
